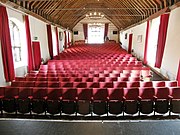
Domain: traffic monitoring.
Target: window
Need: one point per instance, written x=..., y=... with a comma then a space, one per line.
x=15, y=41
x=95, y=33
x=153, y=39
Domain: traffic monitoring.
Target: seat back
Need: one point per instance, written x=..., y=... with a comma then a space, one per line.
x=158, y=84
x=115, y=93
x=28, y=84
x=54, y=93
x=79, y=85
x=146, y=84
x=41, y=84
x=162, y=92
x=106, y=84
x=131, y=93
x=17, y=83
x=39, y=92
x=93, y=85
x=100, y=94
x=53, y=84
x=69, y=94
x=25, y=92
x=133, y=84
x=2, y=90
x=121, y=84
x=11, y=92
x=66, y=84
x=84, y=94
x=175, y=92
x=171, y=83
x=147, y=93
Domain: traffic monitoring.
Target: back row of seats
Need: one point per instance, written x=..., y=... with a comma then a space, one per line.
x=91, y=83
x=90, y=101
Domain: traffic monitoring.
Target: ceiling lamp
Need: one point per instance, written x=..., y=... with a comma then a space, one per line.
x=94, y=16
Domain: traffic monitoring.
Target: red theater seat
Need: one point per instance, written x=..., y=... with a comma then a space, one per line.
x=116, y=100
x=146, y=95
x=84, y=98
x=38, y=100
x=53, y=100
x=100, y=101
x=131, y=100
x=162, y=100
x=24, y=103
x=175, y=100
x=69, y=97
x=10, y=99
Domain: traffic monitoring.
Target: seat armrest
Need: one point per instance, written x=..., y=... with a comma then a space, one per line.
x=16, y=97
x=170, y=97
x=139, y=98
x=30, y=97
x=155, y=98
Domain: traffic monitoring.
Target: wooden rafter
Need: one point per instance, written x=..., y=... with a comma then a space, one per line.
x=68, y=13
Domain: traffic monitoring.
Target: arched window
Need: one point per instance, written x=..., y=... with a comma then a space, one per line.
x=15, y=41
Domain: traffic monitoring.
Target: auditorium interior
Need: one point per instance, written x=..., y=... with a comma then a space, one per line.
x=82, y=67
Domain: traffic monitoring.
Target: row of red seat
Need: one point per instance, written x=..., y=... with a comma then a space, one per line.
x=97, y=84
x=80, y=74
x=80, y=79
x=71, y=100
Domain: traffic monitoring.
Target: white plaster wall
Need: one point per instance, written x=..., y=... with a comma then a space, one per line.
x=38, y=29
x=172, y=49
x=171, y=55
x=137, y=45
x=79, y=28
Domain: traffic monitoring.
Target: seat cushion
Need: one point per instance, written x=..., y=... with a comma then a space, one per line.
x=115, y=107
x=83, y=107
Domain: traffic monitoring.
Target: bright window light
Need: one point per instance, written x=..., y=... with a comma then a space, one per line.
x=96, y=33
x=153, y=39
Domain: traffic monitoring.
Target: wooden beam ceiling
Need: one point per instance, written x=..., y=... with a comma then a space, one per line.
x=67, y=13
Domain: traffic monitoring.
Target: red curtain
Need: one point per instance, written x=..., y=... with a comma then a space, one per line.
x=146, y=42
x=6, y=46
x=57, y=41
x=65, y=40
x=161, y=39
x=178, y=75
x=29, y=45
x=50, y=43
x=106, y=30
x=130, y=43
x=85, y=29
x=37, y=54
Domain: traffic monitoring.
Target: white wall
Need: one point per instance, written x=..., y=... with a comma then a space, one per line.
x=79, y=28
x=38, y=29
x=171, y=55
x=172, y=49
x=137, y=46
